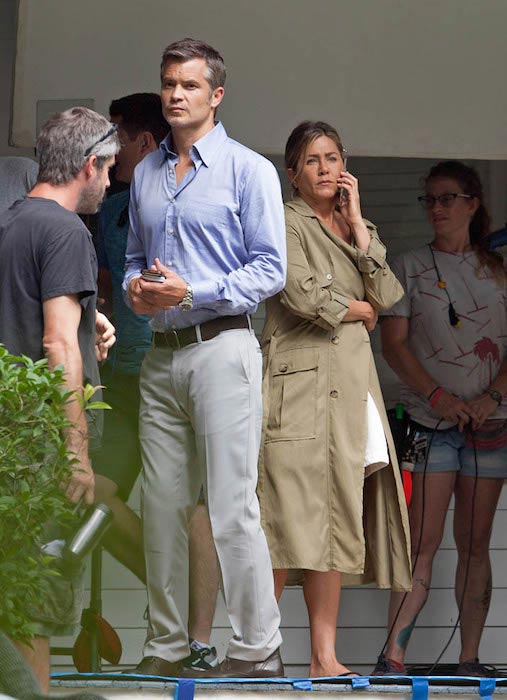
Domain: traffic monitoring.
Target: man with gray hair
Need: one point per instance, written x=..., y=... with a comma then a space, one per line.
x=206, y=218
x=48, y=289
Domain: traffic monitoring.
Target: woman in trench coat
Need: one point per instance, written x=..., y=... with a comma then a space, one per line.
x=330, y=491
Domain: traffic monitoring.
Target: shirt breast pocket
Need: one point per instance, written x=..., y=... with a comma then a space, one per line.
x=207, y=215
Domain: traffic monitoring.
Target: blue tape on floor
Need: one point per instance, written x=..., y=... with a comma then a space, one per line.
x=487, y=688
x=302, y=684
x=185, y=689
x=419, y=688
x=359, y=682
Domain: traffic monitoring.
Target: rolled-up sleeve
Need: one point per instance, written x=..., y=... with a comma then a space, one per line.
x=303, y=295
x=382, y=288
x=374, y=258
x=403, y=306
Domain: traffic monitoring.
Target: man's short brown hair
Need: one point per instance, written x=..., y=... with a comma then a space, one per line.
x=187, y=49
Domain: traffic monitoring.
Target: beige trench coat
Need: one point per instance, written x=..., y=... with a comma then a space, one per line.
x=319, y=510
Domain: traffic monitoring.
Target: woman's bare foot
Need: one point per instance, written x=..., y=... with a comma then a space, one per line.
x=322, y=669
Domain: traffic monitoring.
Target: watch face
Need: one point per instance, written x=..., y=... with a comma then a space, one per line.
x=496, y=395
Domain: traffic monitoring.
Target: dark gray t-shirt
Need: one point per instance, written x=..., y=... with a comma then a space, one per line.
x=45, y=251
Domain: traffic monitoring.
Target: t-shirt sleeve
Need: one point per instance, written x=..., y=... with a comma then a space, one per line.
x=403, y=306
x=69, y=266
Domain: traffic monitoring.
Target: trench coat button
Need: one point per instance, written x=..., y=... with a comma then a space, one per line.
x=284, y=368
x=329, y=276
x=334, y=340
x=333, y=394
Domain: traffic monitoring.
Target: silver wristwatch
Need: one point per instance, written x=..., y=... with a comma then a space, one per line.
x=496, y=396
x=188, y=300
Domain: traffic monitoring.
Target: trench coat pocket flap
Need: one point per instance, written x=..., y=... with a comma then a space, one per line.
x=292, y=402
x=298, y=360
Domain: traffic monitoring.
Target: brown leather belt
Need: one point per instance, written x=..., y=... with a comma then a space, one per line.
x=180, y=338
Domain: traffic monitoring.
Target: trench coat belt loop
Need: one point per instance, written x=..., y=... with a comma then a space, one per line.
x=181, y=337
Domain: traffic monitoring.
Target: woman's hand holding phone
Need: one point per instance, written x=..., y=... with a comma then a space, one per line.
x=350, y=208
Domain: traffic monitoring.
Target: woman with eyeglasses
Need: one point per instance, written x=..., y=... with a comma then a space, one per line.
x=447, y=342
x=332, y=502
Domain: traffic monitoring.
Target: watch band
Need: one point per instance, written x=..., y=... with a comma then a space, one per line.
x=188, y=299
x=496, y=395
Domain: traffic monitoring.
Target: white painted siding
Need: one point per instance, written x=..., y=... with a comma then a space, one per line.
x=389, y=188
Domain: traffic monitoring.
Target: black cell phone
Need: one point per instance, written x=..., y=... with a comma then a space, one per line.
x=151, y=276
x=342, y=194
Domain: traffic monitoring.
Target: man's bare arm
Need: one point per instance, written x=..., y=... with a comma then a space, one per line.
x=60, y=343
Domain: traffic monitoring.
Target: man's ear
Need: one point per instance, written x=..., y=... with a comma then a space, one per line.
x=147, y=143
x=90, y=167
x=216, y=97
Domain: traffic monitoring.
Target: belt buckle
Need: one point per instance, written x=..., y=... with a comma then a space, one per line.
x=176, y=338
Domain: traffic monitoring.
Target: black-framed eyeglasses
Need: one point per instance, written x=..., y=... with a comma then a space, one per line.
x=445, y=200
x=112, y=130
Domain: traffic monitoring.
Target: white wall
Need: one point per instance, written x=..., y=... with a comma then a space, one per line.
x=7, y=54
x=399, y=77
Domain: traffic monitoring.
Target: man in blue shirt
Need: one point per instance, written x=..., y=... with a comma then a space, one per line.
x=141, y=128
x=206, y=215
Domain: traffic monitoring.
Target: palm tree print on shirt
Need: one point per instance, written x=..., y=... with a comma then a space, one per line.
x=487, y=351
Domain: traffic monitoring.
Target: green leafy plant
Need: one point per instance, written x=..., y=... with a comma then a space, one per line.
x=34, y=463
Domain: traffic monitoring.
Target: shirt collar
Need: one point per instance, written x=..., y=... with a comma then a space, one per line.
x=299, y=205
x=205, y=149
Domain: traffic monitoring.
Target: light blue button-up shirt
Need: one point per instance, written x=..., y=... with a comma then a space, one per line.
x=221, y=228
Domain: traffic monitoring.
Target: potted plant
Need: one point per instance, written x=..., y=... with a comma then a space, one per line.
x=34, y=463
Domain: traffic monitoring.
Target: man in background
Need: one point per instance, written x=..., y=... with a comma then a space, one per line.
x=141, y=129
x=48, y=289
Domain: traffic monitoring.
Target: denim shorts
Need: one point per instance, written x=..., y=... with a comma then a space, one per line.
x=450, y=451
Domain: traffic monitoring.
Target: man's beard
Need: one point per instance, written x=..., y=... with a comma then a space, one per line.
x=91, y=198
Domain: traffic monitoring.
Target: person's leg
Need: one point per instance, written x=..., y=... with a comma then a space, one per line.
x=322, y=591
x=426, y=529
x=169, y=491
x=204, y=576
x=124, y=539
x=473, y=524
x=279, y=577
x=37, y=657
x=227, y=415
x=117, y=465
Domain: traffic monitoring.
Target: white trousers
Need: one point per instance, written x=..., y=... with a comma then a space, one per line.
x=200, y=422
